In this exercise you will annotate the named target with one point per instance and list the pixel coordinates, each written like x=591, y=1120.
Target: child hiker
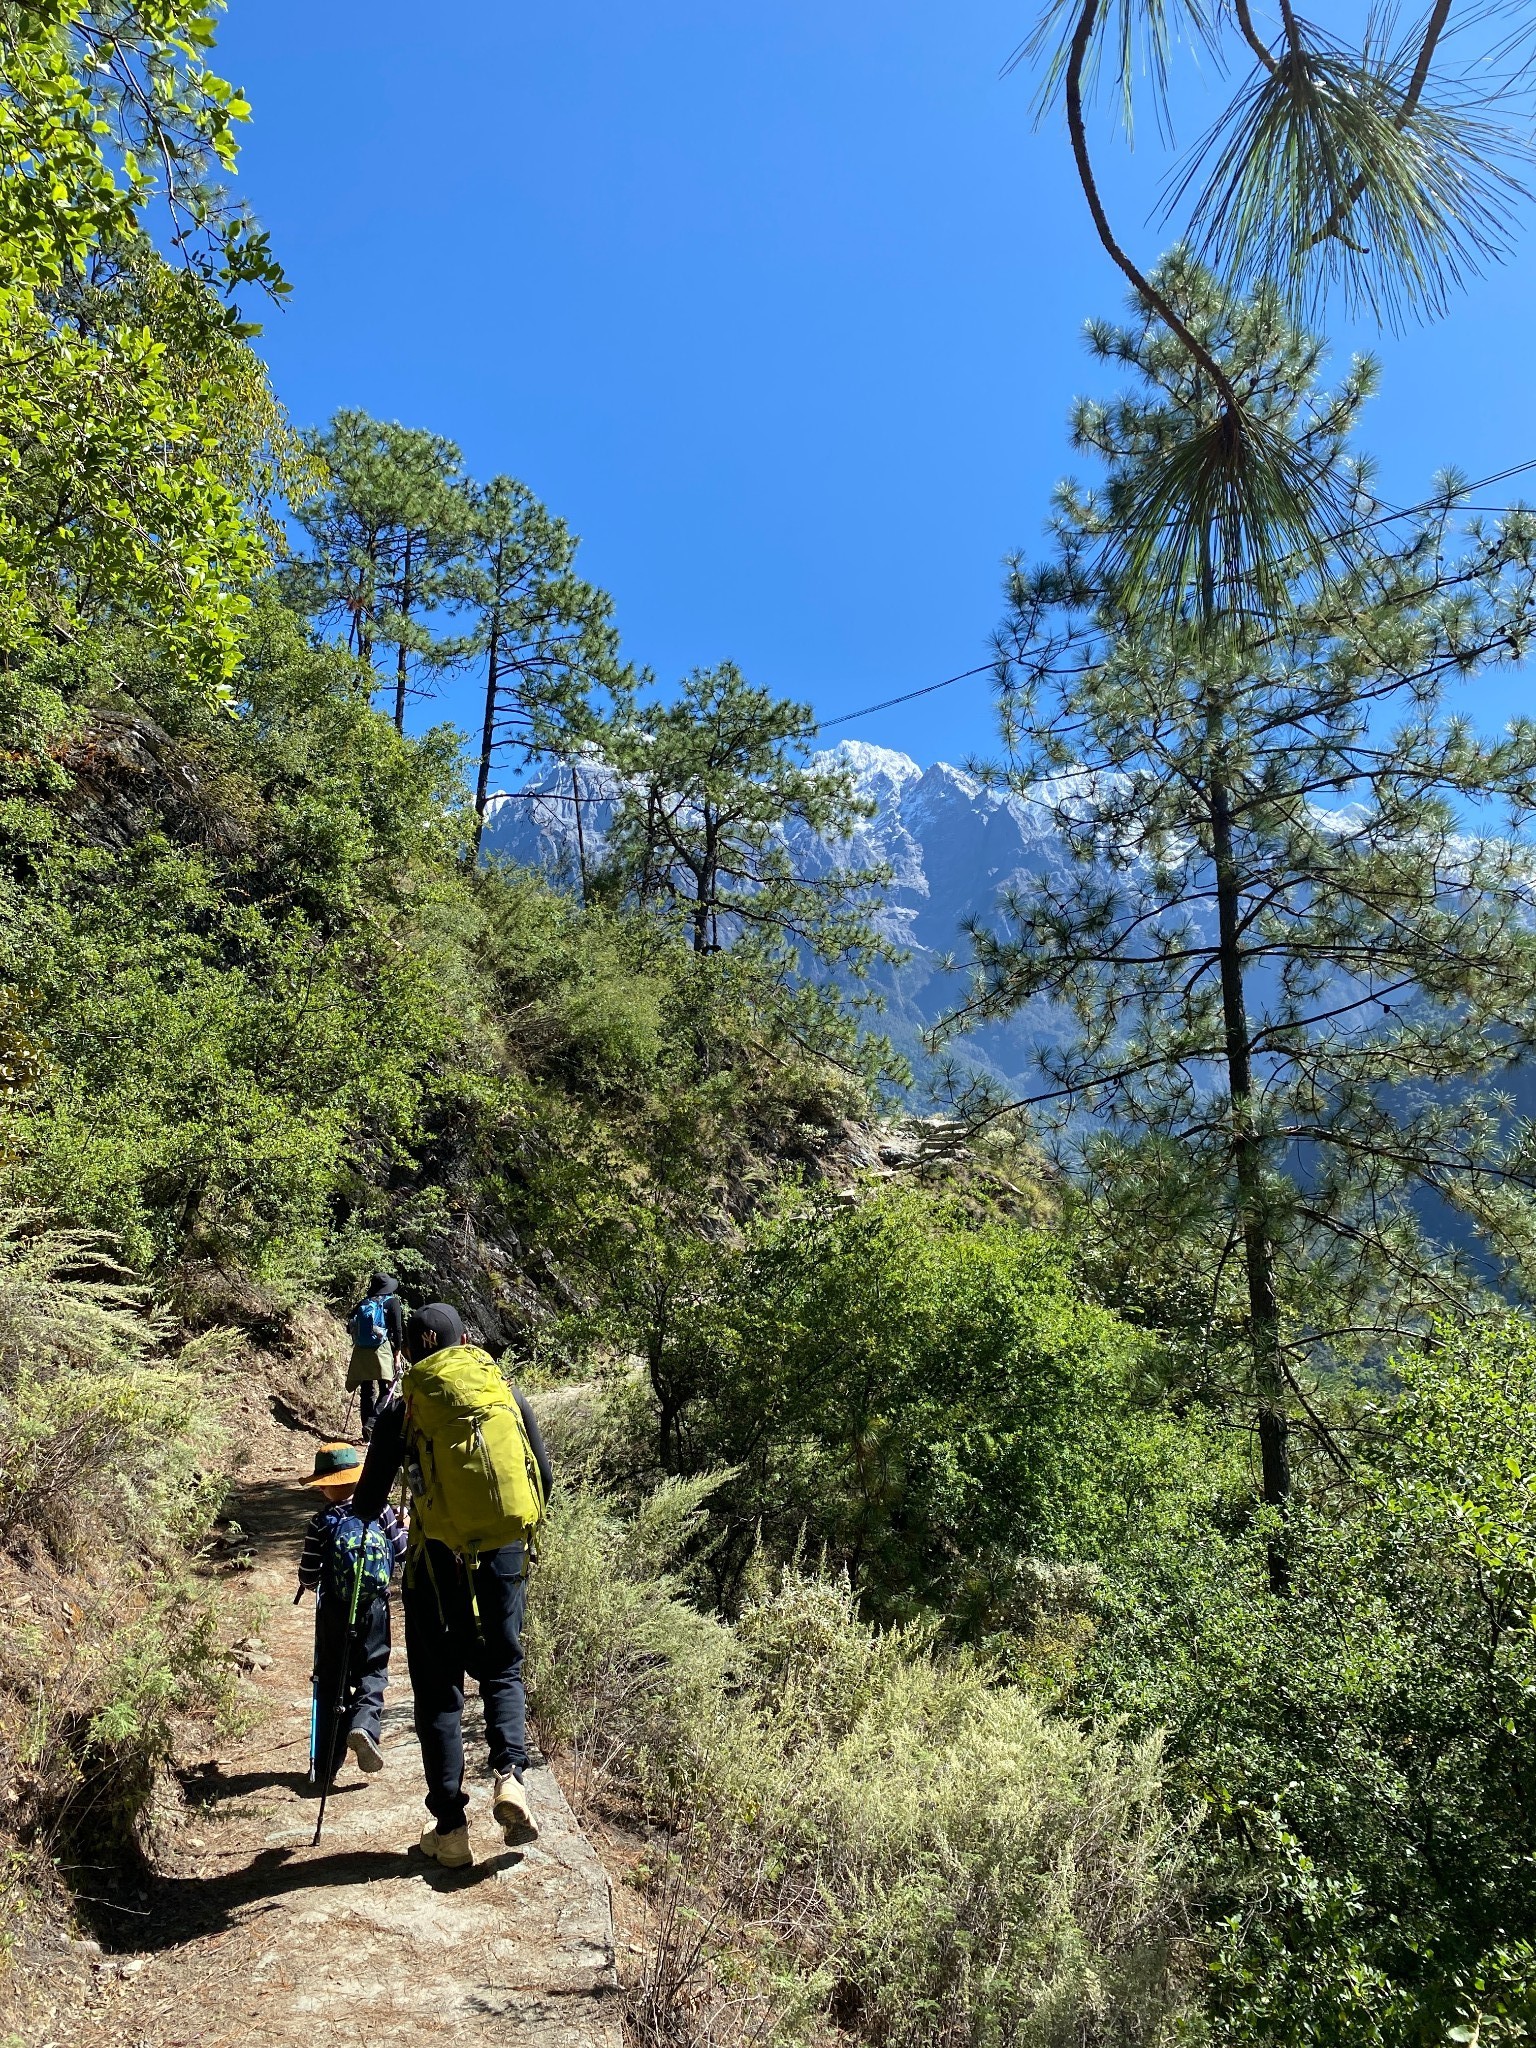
x=347, y=1565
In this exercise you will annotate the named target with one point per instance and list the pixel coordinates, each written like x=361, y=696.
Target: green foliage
x=1290, y=978
x=544, y=635
x=628, y=1679
x=407, y=553
x=930, y=1403
x=130, y=412
x=1360, y=1748
x=234, y=1031
x=388, y=526
x=1382, y=165
x=711, y=783
x=107, y=112
x=109, y=1451
x=80, y=1395
x=113, y=503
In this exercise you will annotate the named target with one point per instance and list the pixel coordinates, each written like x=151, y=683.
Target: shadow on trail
x=183, y=1909
x=268, y=1509
x=206, y=1793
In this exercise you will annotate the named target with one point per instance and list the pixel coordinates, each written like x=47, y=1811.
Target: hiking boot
x=370, y=1757
x=510, y=1806
x=451, y=1850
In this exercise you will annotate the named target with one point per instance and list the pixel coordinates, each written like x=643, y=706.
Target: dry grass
x=867, y=1837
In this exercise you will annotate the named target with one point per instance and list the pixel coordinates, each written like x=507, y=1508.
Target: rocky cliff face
x=951, y=844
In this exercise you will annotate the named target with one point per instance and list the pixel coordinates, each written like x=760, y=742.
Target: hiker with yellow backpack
x=479, y=1477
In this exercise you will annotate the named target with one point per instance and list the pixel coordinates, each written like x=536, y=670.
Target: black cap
x=445, y=1323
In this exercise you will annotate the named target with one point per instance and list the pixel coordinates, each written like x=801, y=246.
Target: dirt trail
x=253, y=1937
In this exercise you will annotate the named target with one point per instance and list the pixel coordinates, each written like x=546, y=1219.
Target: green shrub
x=624, y=1676
x=109, y=1458
x=933, y=1403
x=1361, y=1749
x=95, y=1434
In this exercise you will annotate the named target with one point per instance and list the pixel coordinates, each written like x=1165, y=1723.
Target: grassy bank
x=858, y=1832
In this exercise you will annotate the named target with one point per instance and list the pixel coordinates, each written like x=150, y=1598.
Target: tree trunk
x=405, y=613
x=367, y=592
x=1247, y=1154
x=487, y=731
x=707, y=881
x=581, y=838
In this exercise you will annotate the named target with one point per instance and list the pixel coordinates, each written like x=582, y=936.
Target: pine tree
x=544, y=635
x=712, y=785
x=1380, y=164
x=1295, y=949
x=389, y=530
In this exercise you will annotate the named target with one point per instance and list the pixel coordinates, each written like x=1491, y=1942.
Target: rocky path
x=253, y=1937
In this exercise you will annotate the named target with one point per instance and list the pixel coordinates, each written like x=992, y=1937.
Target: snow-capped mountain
x=951, y=844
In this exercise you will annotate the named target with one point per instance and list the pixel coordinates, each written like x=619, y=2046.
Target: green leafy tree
x=118, y=496
x=237, y=1017
x=1292, y=964
x=389, y=530
x=111, y=115
x=544, y=635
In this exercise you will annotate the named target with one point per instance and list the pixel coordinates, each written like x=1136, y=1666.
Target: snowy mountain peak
x=879, y=772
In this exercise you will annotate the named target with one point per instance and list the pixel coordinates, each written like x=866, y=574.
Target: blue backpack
x=368, y=1326
x=357, y=1546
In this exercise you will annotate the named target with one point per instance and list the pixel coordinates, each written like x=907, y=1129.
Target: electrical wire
x=847, y=717
x=1453, y=502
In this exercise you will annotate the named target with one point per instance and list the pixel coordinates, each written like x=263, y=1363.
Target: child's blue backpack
x=368, y=1326
x=357, y=1545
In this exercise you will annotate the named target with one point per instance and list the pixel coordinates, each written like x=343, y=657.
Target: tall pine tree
x=1295, y=947
x=544, y=635
x=389, y=532
x=724, y=820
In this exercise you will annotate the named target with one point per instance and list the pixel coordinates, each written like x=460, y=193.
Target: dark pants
x=443, y=1641
x=363, y=1653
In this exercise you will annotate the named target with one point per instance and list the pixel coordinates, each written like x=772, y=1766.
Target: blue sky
x=779, y=305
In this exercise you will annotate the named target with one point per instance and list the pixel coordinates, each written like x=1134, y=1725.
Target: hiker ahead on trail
x=347, y=1564
x=377, y=1329
x=479, y=1477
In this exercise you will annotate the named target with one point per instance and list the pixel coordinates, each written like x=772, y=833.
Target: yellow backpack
x=479, y=1480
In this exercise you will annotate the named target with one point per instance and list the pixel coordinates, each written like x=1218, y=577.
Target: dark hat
x=336, y=1465
x=382, y=1284
x=445, y=1323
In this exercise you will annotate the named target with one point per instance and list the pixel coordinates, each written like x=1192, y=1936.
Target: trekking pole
x=314, y=1697
x=341, y=1698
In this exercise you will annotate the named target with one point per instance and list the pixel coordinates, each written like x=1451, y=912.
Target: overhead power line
x=847, y=717
x=1483, y=483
